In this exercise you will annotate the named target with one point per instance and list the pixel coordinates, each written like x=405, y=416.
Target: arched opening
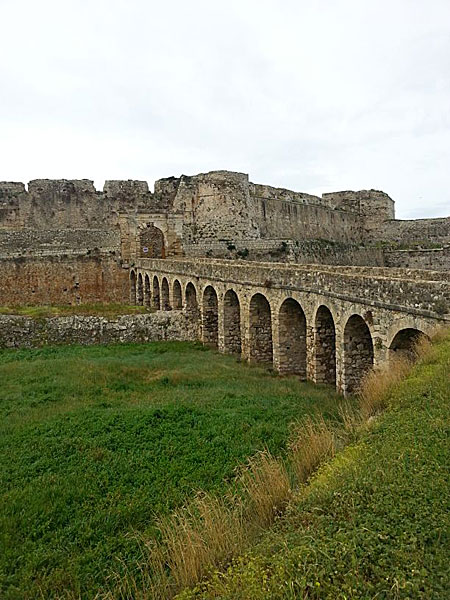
x=165, y=302
x=192, y=305
x=232, y=323
x=132, y=287
x=156, y=299
x=210, y=317
x=177, y=301
x=151, y=242
x=325, y=347
x=405, y=344
x=292, y=338
x=140, y=290
x=358, y=352
x=147, y=293
x=261, y=346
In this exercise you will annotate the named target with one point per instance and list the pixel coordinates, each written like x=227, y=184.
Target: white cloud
x=315, y=96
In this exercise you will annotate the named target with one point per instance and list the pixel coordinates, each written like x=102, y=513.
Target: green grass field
x=374, y=522
x=94, y=309
x=95, y=442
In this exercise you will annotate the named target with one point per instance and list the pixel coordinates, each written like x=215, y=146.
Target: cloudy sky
x=312, y=95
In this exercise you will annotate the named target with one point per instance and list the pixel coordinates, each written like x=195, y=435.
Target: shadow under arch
x=324, y=346
x=292, y=339
x=358, y=352
x=261, y=343
x=210, y=321
x=232, y=323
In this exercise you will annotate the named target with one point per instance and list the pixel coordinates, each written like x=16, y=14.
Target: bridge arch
x=147, y=291
x=140, y=290
x=261, y=343
x=358, y=352
x=177, y=301
x=232, y=323
x=210, y=314
x=404, y=343
x=165, y=301
x=156, y=297
x=324, y=346
x=292, y=338
x=133, y=287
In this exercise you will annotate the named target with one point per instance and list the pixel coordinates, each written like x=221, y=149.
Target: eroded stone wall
x=25, y=332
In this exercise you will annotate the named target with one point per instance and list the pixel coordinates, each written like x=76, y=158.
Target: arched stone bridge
x=326, y=323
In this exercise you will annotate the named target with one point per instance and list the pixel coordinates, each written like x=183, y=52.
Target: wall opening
x=232, y=323
x=292, y=339
x=151, y=242
x=324, y=347
x=404, y=344
x=358, y=352
x=192, y=306
x=177, y=300
x=261, y=345
x=165, y=301
x=132, y=287
x=147, y=292
x=140, y=290
x=210, y=317
x=156, y=299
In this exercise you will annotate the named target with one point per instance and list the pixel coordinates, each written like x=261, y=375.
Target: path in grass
x=96, y=441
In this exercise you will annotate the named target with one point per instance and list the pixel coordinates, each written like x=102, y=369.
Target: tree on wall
x=151, y=242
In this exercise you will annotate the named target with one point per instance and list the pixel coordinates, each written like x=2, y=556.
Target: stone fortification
x=25, y=332
x=65, y=241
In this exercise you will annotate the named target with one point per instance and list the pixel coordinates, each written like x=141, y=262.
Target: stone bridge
x=324, y=323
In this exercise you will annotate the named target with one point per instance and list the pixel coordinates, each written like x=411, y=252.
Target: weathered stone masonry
x=326, y=324
x=87, y=239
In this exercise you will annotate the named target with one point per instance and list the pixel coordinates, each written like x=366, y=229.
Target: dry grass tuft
x=206, y=532
x=311, y=443
x=267, y=489
x=376, y=385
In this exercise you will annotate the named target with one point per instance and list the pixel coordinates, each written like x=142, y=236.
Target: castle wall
x=418, y=232
x=62, y=279
x=437, y=259
x=280, y=218
x=321, y=252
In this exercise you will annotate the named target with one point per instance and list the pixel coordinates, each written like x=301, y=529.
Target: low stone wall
x=26, y=332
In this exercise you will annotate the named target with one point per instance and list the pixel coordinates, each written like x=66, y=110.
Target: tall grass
x=208, y=531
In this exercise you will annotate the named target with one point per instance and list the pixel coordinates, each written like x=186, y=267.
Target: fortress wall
x=278, y=218
x=436, y=258
x=421, y=232
x=41, y=243
x=69, y=204
x=62, y=279
x=280, y=250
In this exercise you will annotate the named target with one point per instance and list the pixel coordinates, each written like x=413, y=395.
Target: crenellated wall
x=58, y=232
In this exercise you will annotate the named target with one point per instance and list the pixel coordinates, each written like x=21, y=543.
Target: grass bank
x=97, y=442
x=374, y=521
x=65, y=310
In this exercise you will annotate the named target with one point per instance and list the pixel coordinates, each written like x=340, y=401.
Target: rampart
x=62, y=241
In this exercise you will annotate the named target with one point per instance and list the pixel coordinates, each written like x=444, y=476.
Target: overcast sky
x=312, y=95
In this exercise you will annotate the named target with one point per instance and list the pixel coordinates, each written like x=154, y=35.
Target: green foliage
x=374, y=522
x=95, y=442
x=94, y=309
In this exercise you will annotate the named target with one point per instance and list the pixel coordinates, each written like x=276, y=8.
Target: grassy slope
x=374, y=522
x=64, y=310
x=95, y=441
